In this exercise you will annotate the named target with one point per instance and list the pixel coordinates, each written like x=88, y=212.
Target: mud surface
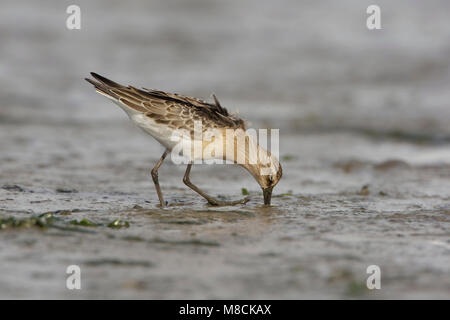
x=365, y=149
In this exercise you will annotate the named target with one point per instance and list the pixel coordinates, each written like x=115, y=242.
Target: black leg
x=155, y=178
x=210, y=199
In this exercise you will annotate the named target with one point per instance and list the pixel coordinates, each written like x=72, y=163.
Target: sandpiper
x=163, y=114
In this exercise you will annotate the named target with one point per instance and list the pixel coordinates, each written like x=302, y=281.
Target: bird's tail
x=104, y=85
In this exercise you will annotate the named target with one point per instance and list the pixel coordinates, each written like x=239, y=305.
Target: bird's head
x=268, y=179
x=259, y=162
x=267, y=172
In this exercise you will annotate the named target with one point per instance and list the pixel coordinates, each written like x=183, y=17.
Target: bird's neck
x=250, y=155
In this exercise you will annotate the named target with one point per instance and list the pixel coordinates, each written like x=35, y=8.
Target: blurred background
x=354, y=107
x=312, y=63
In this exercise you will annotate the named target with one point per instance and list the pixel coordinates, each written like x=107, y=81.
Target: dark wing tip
x=106, y=81
x=101, y=87
x=96, y=84
x=96, y=75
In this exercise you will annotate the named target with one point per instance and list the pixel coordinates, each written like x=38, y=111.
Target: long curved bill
x=267, y=196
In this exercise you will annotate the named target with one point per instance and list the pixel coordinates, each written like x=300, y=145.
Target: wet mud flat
x=333, y=215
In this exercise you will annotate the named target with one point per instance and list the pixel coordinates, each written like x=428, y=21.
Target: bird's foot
x=220, y=203
x=163, y=204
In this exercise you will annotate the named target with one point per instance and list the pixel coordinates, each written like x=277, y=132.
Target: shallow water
x=364, y=137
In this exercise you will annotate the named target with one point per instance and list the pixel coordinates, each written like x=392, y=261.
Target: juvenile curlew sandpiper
x=163, y=114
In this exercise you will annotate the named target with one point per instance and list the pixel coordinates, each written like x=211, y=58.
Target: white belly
x=162, y=133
